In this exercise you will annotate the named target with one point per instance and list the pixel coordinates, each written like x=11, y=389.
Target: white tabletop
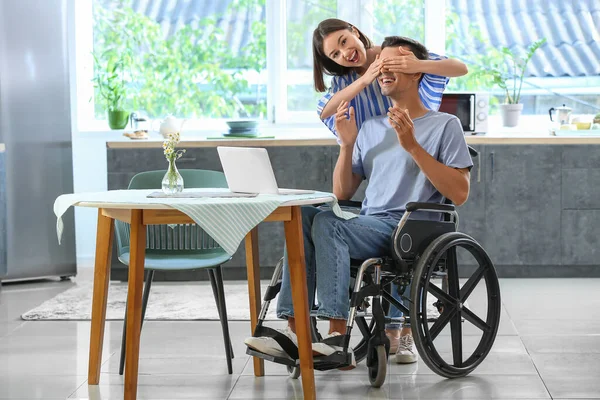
x=137, y=199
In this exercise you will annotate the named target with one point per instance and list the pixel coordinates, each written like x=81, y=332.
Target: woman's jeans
x=329, y=244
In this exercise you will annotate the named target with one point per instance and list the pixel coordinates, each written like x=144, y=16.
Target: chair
x=179, y=247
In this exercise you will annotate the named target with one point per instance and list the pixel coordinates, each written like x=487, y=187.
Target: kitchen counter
x=327, y=140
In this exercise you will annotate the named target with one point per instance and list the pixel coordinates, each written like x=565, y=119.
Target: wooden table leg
x=253, y=270
x=104, y=240
x=137, y=249
x=295, y=249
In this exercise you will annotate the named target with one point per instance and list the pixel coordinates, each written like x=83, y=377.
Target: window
x=563, y=71
x=303, y=16
x=212, y=59
x=398, y=18
x=207, y=59
x=195, y=59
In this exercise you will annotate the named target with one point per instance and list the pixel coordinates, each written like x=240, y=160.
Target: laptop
x=249, y=170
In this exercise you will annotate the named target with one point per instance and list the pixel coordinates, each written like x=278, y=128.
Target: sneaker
x=269, y=346
x=394, y=340
x=324, y=349
x=406, y=353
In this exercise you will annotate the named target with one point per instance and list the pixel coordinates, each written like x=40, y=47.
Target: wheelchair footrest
x=279, y=360
x=339, y=359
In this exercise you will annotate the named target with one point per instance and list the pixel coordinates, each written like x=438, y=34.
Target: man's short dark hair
x=418, y=49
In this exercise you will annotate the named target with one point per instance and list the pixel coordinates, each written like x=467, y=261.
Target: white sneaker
x=406, y=353
x=269, y=346
x=324, y=349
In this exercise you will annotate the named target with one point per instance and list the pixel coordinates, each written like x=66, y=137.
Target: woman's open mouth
x=353, y=57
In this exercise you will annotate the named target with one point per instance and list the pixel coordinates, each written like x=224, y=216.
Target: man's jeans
x=329, y=244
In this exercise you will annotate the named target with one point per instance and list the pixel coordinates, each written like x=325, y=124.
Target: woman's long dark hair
x=323, y=64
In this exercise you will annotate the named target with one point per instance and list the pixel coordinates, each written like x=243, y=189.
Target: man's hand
x=372, y=72
x=406, y=63
x=346, y=128
x=405, y=130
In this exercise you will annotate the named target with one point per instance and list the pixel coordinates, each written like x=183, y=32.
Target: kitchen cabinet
x=580, y=218
x=523, y=205
x=472, y=213
x=579, y=238
x=535, y=208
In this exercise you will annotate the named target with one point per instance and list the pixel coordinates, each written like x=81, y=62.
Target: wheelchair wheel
x=378, y=367
x=294, y=372
x=455, y=354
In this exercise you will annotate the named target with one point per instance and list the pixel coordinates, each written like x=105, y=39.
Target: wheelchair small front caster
x=378, y=369
x=294, y=372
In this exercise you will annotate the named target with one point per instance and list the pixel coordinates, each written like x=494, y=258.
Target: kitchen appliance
x=35, y=126
x=169, y=125
x=471, y=108
x=562, y=113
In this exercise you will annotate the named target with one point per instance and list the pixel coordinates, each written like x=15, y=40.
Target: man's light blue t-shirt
x=394, y=177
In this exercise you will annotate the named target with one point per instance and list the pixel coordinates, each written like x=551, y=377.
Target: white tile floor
x=544, y=350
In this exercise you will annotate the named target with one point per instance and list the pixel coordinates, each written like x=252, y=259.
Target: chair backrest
x=192, y=178
x=163, y=238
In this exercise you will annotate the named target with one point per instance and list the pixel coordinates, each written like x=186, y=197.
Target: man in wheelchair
x=411, y=155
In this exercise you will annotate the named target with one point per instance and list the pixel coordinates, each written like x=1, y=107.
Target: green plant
x=191, y=71
x=109, y=80
x=515, y=72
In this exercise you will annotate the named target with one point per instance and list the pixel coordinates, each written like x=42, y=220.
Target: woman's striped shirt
x=370, y=102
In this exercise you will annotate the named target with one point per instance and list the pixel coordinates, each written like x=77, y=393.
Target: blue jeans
x=329, y=244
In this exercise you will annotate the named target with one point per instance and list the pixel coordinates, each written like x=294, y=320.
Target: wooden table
x=140, y=215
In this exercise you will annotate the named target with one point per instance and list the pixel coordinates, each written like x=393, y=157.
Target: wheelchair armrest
x=350, y=203
x=414, y=206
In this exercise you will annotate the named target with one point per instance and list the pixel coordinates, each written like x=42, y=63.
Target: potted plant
x=510, y=111
x=110, y=82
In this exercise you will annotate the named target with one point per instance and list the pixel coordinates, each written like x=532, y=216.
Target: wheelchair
x=423, y=255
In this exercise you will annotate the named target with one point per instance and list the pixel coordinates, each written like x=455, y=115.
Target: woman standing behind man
x=343, y=51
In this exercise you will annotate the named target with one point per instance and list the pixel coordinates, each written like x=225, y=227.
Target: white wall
x=89, y=148
x=89, y=175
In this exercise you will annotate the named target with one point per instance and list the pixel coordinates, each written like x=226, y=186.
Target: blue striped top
x=371, y=103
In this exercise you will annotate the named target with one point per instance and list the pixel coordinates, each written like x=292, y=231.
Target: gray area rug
x=167, y=301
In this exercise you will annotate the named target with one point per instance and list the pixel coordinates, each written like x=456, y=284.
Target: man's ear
x=417, y=76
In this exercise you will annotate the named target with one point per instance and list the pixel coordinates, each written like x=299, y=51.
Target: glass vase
x=172, y=181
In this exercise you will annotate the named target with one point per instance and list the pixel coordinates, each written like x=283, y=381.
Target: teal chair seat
x=183, y=259
x=178, y=247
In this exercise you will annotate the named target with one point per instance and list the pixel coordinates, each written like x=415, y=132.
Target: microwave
x=472, y=110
